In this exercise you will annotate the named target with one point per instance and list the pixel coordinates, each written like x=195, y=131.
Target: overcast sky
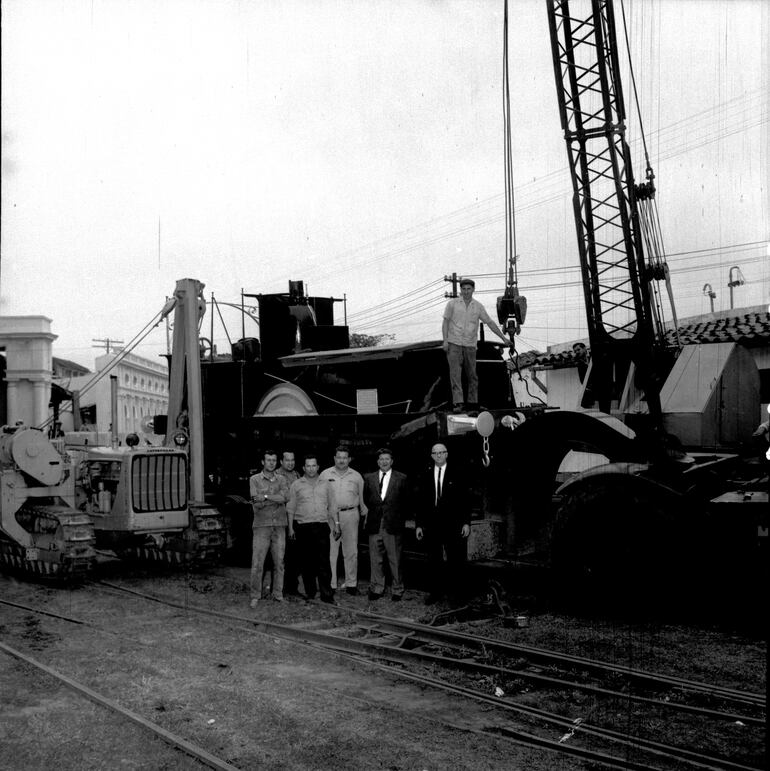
x=357, y=146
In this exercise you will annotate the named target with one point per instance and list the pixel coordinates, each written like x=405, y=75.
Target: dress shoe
x=395, y=598
x=458, y=409
x=277, y=598
x=328, y=598
x=373, y=595
x=352, y=590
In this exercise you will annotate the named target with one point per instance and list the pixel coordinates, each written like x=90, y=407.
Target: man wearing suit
x=386, y=495
x=444, y=520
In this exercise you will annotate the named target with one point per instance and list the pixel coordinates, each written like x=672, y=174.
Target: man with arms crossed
x=269, y=493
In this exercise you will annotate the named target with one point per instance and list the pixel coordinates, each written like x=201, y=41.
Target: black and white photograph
x=384, y=384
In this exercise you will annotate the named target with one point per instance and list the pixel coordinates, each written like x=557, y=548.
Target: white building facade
x=26, y=342
x=142, y=391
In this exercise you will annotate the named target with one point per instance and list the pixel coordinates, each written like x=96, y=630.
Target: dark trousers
x=313, y=554
x=447, y=575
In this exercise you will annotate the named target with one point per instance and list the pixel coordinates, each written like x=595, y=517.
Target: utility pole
x=106, y=343
x=453, y=279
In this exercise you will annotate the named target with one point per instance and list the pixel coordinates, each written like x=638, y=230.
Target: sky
x=357, y=146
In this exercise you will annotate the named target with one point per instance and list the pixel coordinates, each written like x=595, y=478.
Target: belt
x=348, y=508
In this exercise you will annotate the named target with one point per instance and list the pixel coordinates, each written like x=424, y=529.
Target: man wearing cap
x=460, y=331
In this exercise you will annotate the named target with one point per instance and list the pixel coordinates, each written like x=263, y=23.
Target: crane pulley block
x=511, y=309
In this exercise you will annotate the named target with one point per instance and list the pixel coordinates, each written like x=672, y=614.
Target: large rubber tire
x=619, y=547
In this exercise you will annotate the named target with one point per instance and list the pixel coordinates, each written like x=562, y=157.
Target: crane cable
x=98, y=376
x=649, y=216
x=510, y=215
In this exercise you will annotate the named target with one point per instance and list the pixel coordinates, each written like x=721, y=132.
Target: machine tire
x=617, y=545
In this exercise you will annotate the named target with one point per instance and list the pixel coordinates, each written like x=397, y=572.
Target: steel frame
x=621, y=326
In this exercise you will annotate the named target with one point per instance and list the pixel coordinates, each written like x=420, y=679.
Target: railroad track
x=172, y=739
x=406, y=650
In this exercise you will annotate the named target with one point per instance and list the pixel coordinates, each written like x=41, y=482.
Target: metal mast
x=622, y=325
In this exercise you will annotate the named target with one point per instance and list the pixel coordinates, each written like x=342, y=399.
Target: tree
x=358, y=340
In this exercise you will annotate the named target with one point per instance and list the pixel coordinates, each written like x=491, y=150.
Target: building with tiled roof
x=557, y=374
x=749, y=327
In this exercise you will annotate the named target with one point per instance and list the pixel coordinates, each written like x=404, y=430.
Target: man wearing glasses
x=444, y=521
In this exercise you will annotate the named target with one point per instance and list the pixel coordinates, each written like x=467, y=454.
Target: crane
x=646, y=518
x=618, y=232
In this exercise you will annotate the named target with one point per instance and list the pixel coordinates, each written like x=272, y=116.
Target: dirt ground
x=260, y=702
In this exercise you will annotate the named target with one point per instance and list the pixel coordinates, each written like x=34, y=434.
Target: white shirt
x=436, y=471
x=464, y=321
x=385, y=481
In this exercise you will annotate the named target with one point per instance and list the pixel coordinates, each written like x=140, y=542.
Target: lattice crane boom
x=623, y=323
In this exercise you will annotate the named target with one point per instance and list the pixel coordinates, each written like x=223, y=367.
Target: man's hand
x=418, y=533
x=445, y=346
x=466, y=531
x=337, y=531
x=291, y=533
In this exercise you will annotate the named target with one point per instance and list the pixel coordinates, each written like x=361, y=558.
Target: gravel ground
x=260, y=702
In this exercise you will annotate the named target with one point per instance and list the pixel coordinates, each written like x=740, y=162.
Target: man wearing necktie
x=444, y=521
x=386, y=495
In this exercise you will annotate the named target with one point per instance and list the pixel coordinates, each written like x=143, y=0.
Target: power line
x=403, y=242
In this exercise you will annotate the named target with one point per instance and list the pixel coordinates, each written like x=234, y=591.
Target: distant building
x=142, y=391
x=562, y=369
x=63, y=368
x=26, y=387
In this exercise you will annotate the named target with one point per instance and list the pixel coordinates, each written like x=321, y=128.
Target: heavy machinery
x=676, y=506
x=147, y=503
x=41, y=530
x=655, y=513
x=138, y=500
x=301, y=387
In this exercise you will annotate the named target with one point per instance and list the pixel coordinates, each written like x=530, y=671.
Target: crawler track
x=63, y=541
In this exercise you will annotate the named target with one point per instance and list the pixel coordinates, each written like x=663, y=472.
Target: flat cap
x=468, y=281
